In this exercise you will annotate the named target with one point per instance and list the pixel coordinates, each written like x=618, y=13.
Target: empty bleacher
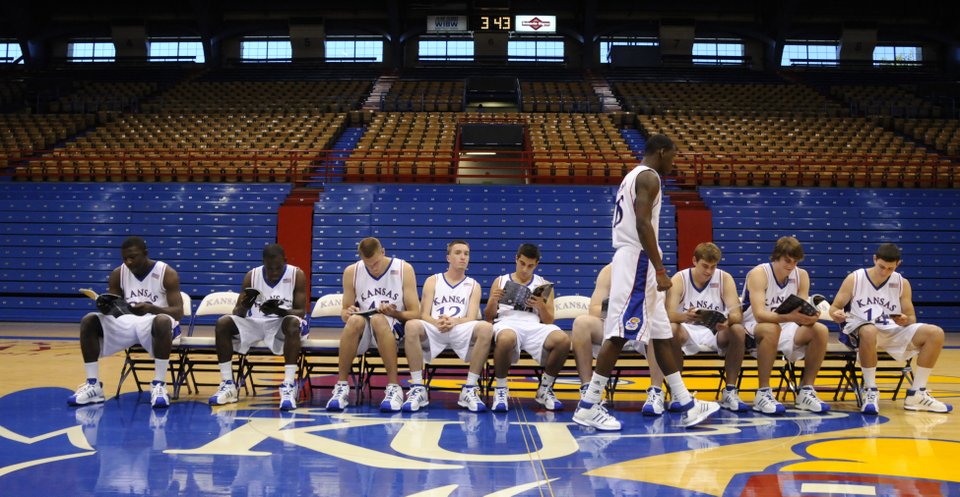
x=58, y=237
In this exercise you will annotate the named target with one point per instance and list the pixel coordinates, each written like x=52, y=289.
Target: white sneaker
x=765, y=402
x=871, y=401
x=921, y=400
x=548, y=399
x=87, y=393
x=654, y=404
x=697, y=413
x=470, y=398
x=288, y=396
x=595, y=416
x=226, y=394
x=807, y=400
x=416, y=398
x=500, y=403
x=158, y=395
x=730, y=400
x=393, y=399
x=339, y=402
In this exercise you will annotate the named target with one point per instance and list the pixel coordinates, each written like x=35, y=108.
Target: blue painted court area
x=123, y=447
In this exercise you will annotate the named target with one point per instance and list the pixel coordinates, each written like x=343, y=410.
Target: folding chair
x=320, y=355
x=218, y=304
x=137, y=359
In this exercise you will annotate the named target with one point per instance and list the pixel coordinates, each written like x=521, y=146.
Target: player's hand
x=837, y=315
x=723, y=325
x=346, y=313
x=663, y=282
x=692, y=316
x=802, y=319
x=388, y=310
x=900, y=319
x=271, y=307
x=444, y=323
x=495, y=295
x=538, y=303
x=142, y=308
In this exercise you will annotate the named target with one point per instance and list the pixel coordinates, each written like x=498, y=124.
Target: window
x=353, y=49
x=715, y=52
x=809, y=53
x=174, y=50
x=896, y=56
x=535, y=51
x=609, y=43
x=91, y=51
x=9, y=52
x=445, y=49
x=266, y=49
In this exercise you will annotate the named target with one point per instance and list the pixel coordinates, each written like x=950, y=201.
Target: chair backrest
x=219, y=303
x=571, y=306
x=187, y=304
x=328, y=306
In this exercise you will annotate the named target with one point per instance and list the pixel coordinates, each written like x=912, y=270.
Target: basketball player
x=449, y=312
x=152, y=288
x=796, y=335
x=637, y=288
x=528, y=326
x=876, y=304
x=702, y=286
x=273, y=315
x=379, y=295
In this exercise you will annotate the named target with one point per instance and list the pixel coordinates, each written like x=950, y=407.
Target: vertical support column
x=694, y=226
x=295, y=233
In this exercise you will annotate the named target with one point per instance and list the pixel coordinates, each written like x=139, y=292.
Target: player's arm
x=474, y=308
x=113, y=283
x=731, y=300
x=601, y=290
x=803, y=291
x=842, y=298
x=239, y=309
x=493, y=301
x=426, y=302
x=349, y=303
x=648, y=187
x=411, y=301
x=545, y=306
x=672, y=301
x=906, y=304
x=299, y=306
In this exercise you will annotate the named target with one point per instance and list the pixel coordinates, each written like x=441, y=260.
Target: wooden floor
x=123, y=447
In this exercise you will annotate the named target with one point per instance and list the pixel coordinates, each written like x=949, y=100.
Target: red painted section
x=694, y=226
x=295, y=233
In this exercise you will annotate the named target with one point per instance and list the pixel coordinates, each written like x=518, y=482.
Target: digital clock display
x=494, y=23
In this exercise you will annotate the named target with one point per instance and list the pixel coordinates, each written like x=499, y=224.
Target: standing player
x=796, y=335
x=379, y=294
x=876, y=303
x=152, y=288
x=528, y=326
x=637, y=289
x=449, y=318
x=274, y=315
x=702, y=286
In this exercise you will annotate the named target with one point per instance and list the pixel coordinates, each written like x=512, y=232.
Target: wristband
x=662, y=271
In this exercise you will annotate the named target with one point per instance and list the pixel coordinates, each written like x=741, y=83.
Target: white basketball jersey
x=509, y=312
x=625, y=218
x=387, y=289
x=708, y=297
x=149, y=289
x=776, y=293
x=282, y=290
x=452, y=300
x=876, y=303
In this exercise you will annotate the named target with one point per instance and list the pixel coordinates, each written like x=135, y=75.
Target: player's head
x=659, y=153
x=371, y=253
x=787, y=252
x=274, y=261
x=528, y=257
x=887, y=259
x=133, y=250
x=458, y=254
x=706, y=256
